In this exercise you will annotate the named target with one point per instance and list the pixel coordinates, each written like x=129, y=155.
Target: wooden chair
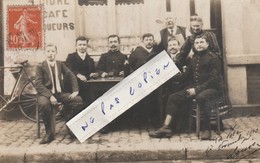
x=219, y=109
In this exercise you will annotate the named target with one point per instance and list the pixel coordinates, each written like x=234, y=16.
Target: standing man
x=112, y=62
x=171, y=30
x=50, y=89
x=206, y=84
x=196, y=25
x=141, y=54
x=83, y=66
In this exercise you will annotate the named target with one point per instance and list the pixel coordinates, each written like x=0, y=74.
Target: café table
x=100, y=85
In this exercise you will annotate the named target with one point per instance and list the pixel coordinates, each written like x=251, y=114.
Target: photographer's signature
x=243, y=142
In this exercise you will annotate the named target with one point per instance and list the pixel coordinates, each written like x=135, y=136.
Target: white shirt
x=82, y=55
x=149, y=50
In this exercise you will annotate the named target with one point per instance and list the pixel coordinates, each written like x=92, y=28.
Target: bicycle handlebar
x=21, y=62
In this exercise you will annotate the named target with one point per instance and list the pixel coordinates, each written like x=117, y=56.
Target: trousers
x=72, y=107
x=179, y=102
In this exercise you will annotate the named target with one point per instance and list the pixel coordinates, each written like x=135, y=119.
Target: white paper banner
x=122, y=96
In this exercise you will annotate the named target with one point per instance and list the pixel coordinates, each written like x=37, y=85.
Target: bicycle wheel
x=28, y=101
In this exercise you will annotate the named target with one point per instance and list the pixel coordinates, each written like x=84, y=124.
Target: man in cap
x=171, y=30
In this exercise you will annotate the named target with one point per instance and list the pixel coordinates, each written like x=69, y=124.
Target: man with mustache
x=204, y=73
x=143, y=111
x=112, y=62
x=171, y=30
x=141, y=54
x=171, y=86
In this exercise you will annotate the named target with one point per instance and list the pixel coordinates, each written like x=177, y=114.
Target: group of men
x=200, y=77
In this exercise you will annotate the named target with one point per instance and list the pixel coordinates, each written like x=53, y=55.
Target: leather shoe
x=47, y=139
x=163, y=132
x=205, y=135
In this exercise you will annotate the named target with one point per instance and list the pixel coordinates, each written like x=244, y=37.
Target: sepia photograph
x=129, y=81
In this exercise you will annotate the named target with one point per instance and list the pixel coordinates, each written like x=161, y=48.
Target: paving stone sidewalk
x=240, y=140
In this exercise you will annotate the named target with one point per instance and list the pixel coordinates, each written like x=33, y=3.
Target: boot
x=206, y=130
x=163, y=132
x=205, y=135
x=49, y=136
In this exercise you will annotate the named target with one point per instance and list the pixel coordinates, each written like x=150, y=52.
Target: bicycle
x=23, y=93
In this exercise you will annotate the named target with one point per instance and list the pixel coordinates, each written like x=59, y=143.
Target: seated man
x=50, y=88
x=112, y=62
x=141, y=54
x=82, y=65
x=171, y=86
x=144, y=110
x=206, y=84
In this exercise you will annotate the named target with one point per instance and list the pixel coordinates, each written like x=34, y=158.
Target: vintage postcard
x=129, y=81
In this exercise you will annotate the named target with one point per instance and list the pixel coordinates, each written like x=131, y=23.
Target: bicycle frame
x=14, y=93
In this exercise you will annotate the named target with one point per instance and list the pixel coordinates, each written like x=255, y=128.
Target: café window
x=92, y=2
x=119, y=2
x=104, y=2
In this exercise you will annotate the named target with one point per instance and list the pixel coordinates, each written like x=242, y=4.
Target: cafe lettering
x=58, y=10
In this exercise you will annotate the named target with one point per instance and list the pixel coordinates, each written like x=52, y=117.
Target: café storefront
x=233, y=21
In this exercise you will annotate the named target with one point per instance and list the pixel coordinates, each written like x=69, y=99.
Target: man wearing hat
x=171, y=30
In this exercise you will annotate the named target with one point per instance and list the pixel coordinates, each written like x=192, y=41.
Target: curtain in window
x=133, y=20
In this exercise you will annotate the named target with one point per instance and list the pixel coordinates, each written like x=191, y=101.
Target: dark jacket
x=111, y=62
x=43, y=81
x=140, y=56
x=165, y=36
x=204, y=72
x=78, y=66
x=188, y=45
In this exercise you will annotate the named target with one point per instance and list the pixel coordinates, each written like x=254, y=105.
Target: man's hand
x=191, y=92
x=104, y=74
x=73, y=95
x=121, y=73
x=93, y=75
x=82, y=77
x=53, y=100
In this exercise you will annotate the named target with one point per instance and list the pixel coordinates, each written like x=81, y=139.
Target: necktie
x=171, y=32
x=54, y=78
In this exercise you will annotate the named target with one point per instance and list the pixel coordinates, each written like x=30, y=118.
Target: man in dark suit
x=50, y=89
x=204, y=72
x=171, y=30
x=82, y=65
x=141, y=54
x=112, y=62
x=144, y=110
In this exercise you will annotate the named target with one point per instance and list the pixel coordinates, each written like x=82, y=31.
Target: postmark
x=25, y=27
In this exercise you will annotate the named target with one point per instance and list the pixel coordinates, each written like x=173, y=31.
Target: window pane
x=92, y=2
x=128, y=1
